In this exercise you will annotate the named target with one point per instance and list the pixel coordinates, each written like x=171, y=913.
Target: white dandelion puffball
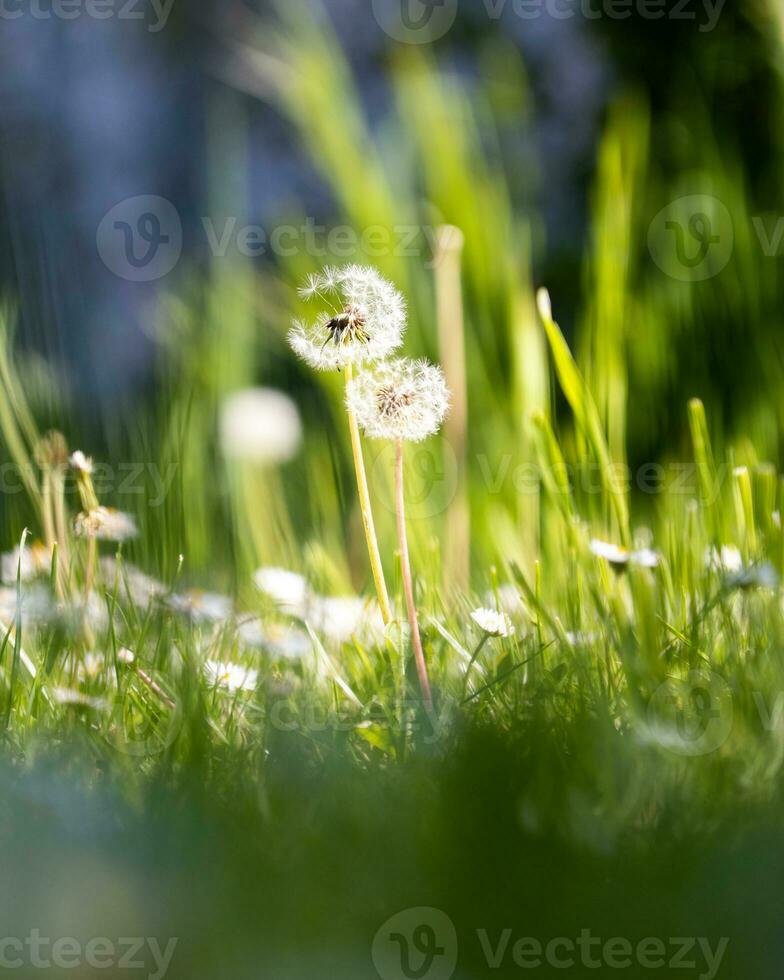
x=364, y=319
x=400, y=399
x=493, y=623
x=261, y=425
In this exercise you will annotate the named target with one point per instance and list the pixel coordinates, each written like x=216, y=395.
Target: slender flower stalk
x=364, y=322
x=367, y=514
x=408, y=585
x=402, y=400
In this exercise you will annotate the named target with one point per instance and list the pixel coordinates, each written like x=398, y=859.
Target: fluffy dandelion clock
x=400, y=399
x=260, y=425
x=364, y=319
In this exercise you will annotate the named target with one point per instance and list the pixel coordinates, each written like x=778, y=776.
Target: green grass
x=616, y=764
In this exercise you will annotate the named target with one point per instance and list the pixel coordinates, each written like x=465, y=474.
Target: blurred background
x=170, y=172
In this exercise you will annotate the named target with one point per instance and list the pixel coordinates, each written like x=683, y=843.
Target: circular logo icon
x=692, y=239
x=692, y=715
x=415, y=21
x=140, y=239
x=144, y=721
x=416, y=944
x=429, y=472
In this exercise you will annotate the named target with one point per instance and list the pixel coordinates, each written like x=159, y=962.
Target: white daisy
x=202, y=607
x=105, y=523
x=619, y=556
x=260, y=425
x=365, y=321
x=285, y=641
x=339, y=618
x=288, y=589
x=35, y=560
x=400, y=399
x=726, y=559
x=235, y=677
x=134, y=585
x=493, y=623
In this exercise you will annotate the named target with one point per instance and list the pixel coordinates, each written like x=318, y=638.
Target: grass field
x=209, y=732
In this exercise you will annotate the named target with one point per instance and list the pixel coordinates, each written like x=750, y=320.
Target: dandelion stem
x=405, y=565
x=367, y=513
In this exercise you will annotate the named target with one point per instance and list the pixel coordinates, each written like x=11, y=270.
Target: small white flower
x=619, y=557
x=288, y=642
x=80, y=462
x=365, y=321
x=91, y=665
x=507, y=597
x=760, y=576
x=339, y=618
x=134, y=585
x=105, y=523
x=202, y=607
x=235, y=677
x=260, y=425
x=67, y=696
x=35, y=560
x=725, y=559
x=493, y=623
x=288, y=589
x=400, y=399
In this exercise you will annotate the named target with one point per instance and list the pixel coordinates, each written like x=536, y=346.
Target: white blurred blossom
x=260, y=425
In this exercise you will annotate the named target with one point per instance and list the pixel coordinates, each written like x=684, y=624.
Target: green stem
x=367, y=513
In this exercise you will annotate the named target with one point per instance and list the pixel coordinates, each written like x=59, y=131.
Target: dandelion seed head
x=399, y=399
x=365, y=320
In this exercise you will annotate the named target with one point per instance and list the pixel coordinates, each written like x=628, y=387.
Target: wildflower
x=760, y=576
x=106, y=524
x=132, y=583
x=507, y=598
x=339, y=618
x=75, y=699
x=288, y=642
x=202, y=607
x=493, y=623
x=81, y=463
x=288, y=589
x=366, y=324
x=620, y=557
x=260, y=425
x=725, y=559
x=31, y=561
x=235, y=677
x=401, y=399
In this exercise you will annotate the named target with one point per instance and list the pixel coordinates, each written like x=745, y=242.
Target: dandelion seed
x=260, y=425
x=235, y=677
x=366, y=324
x=619, y=557
x=493, y=623
x=105, y=524
x=401, y=399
